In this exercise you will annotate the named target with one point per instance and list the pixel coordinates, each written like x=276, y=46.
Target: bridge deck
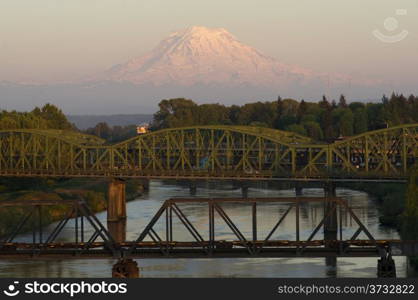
x=220, y=249
x=396, y=178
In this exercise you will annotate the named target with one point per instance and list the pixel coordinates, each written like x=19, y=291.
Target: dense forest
x=112, y=134
x=324, y=120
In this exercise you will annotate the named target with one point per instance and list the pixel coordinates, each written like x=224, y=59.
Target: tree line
x=50, y=116
x=47, y=117
x=112, y=134
x=324, y=120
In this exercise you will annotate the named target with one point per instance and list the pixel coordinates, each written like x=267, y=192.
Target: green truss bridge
x=211, y=152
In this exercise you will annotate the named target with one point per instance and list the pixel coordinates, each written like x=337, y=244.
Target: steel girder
x=385, y=153
x=211, y=152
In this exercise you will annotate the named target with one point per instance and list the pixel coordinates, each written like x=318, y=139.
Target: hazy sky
x=67, y=39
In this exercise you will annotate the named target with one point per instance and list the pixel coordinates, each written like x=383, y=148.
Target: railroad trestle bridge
x=88, y=238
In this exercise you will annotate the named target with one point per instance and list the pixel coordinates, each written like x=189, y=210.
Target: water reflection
x=142, y=210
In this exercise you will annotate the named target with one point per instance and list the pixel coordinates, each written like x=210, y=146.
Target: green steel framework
x=210, y=152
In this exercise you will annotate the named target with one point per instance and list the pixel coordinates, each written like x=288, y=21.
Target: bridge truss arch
x=210, y=152
x=33, y=152
x=207, y=151
x=388, y=153
x=200, y=151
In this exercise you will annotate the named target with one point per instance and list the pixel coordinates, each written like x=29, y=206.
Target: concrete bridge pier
x=331, y=264
x=330, y=210
x=330, y=189
x=298, y=189
x=145, y=184
x=386, y=265
x=116, y=210
x=244, y=190
x=125, y=268
x=192, y=188
x=330, y=224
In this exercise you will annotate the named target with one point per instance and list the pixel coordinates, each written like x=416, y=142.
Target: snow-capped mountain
x=201, y=55
x=199, y=63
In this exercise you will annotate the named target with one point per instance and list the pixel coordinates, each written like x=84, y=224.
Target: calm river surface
x=141, y=210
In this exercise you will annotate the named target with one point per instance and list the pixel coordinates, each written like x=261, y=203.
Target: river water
x=141, y=210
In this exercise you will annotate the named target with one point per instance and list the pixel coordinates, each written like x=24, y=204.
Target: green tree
x=309, y=118
x=233, y=114
x=258, y=112
x=32, y=120
x=410, y=216
x=326, y=118
x=343, y=121
x=356, y=105
x=302, y=109
x=411, y=207
x=176, y=112
x=334, y=120
x=286, y=121
x=102, y=130
x=54, y=116
x=360, y=120
x=342, y=103
x=313, y=130
x=212, y=114
x=296, y=128
x=376, y=116
x=8, y=123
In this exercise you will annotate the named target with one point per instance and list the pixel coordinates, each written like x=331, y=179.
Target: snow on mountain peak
x=201, y=55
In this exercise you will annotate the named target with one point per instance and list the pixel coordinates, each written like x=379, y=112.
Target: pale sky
x=66, y=39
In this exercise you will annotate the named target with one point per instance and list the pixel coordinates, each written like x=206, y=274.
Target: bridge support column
x=330, y=212
x=192, y=188
x=116, y=210
x=331, y=263
x=145, y=184
x=244, y=191
x=330, y=189
x=298, y=189
x=125, y=268
x=386, y=265
x=330, y=224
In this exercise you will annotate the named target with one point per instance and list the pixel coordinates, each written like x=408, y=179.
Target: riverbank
x=391, y=198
